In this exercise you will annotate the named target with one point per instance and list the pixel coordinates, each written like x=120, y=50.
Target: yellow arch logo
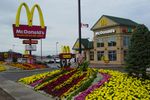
x=30, y=14
x=65, y=53
x=29, y=31
x=65, y=49
x=103, y=22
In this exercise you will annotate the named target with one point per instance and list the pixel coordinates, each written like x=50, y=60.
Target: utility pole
x=30, y=52
x=79, y=17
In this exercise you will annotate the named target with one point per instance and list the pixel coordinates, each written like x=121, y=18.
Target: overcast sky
x=61, y=19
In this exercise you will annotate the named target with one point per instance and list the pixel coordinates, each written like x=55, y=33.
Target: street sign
x=30, y=47
x=30, y=41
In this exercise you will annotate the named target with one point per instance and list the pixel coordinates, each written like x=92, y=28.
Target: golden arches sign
x=29, y=31
x=65, y=49
x=103, y=22
x=65, y=53
x=30, y=14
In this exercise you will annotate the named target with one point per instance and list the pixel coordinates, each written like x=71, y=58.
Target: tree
x=138, y=58
x=49, y=56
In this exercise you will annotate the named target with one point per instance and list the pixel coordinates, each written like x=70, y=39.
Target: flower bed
x=2, y=68
x=32, y=79
x=1, y=62
x=62, y=90
x=82, y=95
x=50, y=79
x=26, y=66
x=121, y=87
x=90, y=85
x=61, y=83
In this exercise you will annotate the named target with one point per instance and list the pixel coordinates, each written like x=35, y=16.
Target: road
x=14, y=74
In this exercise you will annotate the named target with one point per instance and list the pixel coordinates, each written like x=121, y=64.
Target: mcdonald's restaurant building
x=111, y=39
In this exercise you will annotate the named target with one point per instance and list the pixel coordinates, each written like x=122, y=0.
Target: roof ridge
x=117, y=17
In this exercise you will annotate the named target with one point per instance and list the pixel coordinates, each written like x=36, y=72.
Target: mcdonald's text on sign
x=30, y=42
x=27, y=32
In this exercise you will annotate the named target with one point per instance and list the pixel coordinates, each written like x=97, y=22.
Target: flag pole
x=79, y=16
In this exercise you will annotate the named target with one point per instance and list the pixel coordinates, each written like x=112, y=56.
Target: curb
x=20, y=92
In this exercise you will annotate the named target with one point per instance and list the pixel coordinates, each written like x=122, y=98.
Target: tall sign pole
x=79, y=17
x=41, y=51
x=30, y=31
x=30, y=53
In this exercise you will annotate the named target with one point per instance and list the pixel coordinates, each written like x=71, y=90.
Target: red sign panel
x=29, y=32
x=30, y=42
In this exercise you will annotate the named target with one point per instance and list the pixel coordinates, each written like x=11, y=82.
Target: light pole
x=13, y=47
x=12, y=52
x=56, y=48
x=79, y=19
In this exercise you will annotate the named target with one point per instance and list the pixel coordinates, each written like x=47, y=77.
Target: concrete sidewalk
x=16, y=91
x=5, y=96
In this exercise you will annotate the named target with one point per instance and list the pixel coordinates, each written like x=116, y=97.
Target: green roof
x=122, y=21
x=86, y=43
x=90, y=45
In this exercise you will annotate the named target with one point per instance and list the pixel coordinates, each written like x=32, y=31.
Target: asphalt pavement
x=11, y=90
x=17, y=74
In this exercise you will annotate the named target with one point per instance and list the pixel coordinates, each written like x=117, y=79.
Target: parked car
x=51, y=61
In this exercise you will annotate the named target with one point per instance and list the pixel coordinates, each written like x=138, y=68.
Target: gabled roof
x=122, y=21
x=118, y=20
x=85, y=42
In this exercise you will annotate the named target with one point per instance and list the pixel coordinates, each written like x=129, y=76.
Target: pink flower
x=93, y=87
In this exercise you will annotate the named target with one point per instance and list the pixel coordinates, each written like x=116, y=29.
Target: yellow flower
x=2, y=68
x=123, y=87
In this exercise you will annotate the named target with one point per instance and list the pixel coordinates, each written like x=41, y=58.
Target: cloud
x=7, y=6
x=61, y=19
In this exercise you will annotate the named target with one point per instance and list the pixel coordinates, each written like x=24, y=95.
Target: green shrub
x=84, y=65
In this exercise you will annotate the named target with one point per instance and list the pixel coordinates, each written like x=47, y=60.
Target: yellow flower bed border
x=31, y=79
x=121, y=87
x=2, y=68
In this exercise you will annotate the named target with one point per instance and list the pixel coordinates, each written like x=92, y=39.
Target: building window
x=100, y=42
x=112, y=41
x=91, y=55
x=125, y=54
x=126, y=41
x=112, y=55
x=99, y=55
x=124, y=30
x=129, y=30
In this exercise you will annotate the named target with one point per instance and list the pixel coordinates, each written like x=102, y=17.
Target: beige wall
x=119, y=48
x=106, y=24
